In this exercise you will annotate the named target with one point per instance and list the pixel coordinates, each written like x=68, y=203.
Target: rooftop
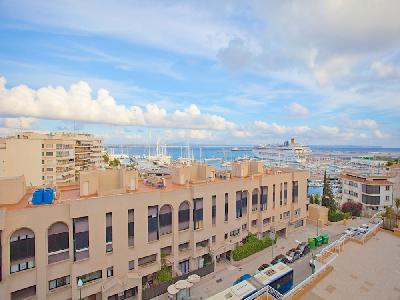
x=369, y=179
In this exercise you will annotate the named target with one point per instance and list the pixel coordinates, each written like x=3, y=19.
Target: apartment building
x=375, y=192
x=55, y=158
x=394, y=176
x=113, y=230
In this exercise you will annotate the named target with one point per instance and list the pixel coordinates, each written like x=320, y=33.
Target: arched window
x=184, y=215
x=165, y=219
x=58, y=242
x=22, y=250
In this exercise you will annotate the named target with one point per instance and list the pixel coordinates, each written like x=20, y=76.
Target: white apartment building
x=375, y=192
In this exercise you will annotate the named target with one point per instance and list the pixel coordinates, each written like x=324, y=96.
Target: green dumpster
x=325, y=238
x=311, y=243
x=318, y=241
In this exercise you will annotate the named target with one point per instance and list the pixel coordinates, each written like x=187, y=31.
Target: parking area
x=226, y=273
x=368, y=271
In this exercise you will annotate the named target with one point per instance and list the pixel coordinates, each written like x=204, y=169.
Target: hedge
x=250, y=246
x=337, y=215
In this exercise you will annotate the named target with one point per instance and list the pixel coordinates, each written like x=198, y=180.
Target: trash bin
x=318, y=241
x=325, y=238
x=311, y=243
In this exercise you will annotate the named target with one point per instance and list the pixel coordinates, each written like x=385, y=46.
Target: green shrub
x=337, y=215
x=251, y=245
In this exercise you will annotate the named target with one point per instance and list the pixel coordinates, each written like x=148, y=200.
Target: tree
x=352, y=207
x=328, y=200
x=106, y=158
x=114, y=163
x=165, y=273
x=315, y=199
x=397, y=204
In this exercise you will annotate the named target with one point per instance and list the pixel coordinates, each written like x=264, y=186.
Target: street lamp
x=80, y=284
x=272, y=237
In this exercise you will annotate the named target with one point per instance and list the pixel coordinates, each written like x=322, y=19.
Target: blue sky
x=218, y=72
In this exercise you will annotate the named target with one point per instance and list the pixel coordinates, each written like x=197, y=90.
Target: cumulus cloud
x=297, y=110
x=275, y=128
x=18, y=123
x=77, y=103
x=185, y=134
x=363, y=123
x=385, y=70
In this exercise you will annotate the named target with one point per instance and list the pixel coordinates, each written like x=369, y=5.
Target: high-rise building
x=49, y=159
x=115, y=230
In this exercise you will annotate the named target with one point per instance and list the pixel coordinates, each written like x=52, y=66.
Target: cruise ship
x=290, y=152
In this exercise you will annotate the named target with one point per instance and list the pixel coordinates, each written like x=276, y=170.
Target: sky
x=204, y=72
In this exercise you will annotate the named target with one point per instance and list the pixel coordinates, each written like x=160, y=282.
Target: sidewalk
x=226, y=273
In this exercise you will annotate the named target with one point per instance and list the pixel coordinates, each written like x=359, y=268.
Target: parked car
x=350, y=231
x=303, y=248
x=292, y=255
x=263, y=267
x=365, y=226
x=280, y=258
x=362, y=230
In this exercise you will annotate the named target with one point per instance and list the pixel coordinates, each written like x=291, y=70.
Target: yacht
x=290, y=152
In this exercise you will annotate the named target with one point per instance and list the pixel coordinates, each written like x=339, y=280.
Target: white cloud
x=185, y=134
x=18, y=123
x=363, y=123
x=77, y=103
x=297, y=110
x=385, y=70
x=280, y=129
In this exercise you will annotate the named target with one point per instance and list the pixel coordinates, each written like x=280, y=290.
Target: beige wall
x=12, y=189
x=317, y=212
x=23, y=157
x=39, y=219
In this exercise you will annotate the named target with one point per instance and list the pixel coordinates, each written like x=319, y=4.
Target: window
x=372, y=200
x=22, y=250
x=280, y=194
x=184, y=266
x=254, y=200
x=273, y=196
x=110, y=272
x=152, y=225
x=183, y=216
x=198, y=213
x=266, y=221
x=226, y=207
x=387, y=187
x=254, y=223
x=131, y=227
x=49, y=169
x=285, y=194
x=387, y=198
x=244, y=226
x=24, y=293
x=131, y=265
x=264, y=198
x=166, y=251
x=202, y=244
x=109, y=247
x=298, y=223
x=280, y=216
x=297, y=212
x=273, y=219
x=213, y=239
x=57, y=242
x=214, y=210
x=238, y=204
x=286, y=214
x=90, y=277
x=49, y=153
x=165, y=219
x=226, y=236
x=127, y=294
x=295, y=191
x=370, y=189
x=235, y=232
x=183, y=246
x=59, y=282
x=244, y=202
x=81, y=238
x=147, y=259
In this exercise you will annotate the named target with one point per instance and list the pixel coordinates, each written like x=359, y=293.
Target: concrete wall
x=12, y=189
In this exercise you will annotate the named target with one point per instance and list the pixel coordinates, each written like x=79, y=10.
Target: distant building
x=112, y=229
x=375, y=192
x=394, y=173
x=49, y=159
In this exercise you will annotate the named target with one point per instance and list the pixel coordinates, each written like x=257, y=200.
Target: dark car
x=280, y=258
x=263, y=267
x=303, y=248
x=292, y=255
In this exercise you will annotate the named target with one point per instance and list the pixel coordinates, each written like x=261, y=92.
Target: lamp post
x=80, y=284
x=272, y=237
